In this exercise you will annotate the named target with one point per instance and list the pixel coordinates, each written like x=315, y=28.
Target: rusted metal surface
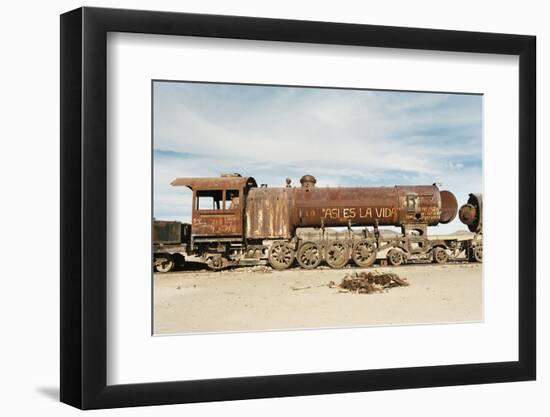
x=471, y=213
x=217, y=222
x=308, y=181
x=234, y=220
x=366, y=206
x=449, y=206
x=234, y=181
x=224, y=200
x=167, y=232
x=468, y=214
x=268, y=213
x=277, y=212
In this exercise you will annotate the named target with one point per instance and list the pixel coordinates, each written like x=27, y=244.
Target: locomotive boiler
x=310, y=206
x=235, y=222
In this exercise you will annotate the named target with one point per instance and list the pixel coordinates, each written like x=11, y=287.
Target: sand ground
x=245, y=299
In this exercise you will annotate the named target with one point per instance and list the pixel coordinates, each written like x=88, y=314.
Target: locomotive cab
x=218, y=206
x=217, y=212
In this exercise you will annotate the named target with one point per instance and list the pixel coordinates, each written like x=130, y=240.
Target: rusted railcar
x=170, y=244
x=235, y=222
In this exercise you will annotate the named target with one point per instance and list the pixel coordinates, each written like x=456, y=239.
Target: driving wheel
x=364, y=253
x=280, y=255
x=309, y=255
x=337, y=254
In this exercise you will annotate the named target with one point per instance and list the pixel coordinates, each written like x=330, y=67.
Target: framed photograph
x=259, y=208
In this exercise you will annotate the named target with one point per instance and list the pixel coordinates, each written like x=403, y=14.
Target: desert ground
x=248, y=299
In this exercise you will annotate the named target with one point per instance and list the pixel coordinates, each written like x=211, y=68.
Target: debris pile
x=369, y=282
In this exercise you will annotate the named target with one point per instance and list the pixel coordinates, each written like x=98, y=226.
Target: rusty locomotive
x=235, y=222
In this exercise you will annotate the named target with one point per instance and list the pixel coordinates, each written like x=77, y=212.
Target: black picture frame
x=84, y=207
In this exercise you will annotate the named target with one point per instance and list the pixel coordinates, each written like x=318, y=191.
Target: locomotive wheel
x=309, y=255
x=395, y=257
x=164, y=265
x=478, y=253
x=280, y=255
x=364, y=253
x=337, y=254
x=440, y=255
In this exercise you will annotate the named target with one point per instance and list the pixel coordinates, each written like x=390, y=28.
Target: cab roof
x=215, y=183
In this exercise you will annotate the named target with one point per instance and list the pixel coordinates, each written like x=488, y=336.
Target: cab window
x=208, y=200
x=232, y=200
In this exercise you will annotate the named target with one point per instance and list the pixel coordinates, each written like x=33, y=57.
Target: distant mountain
x=462, y=232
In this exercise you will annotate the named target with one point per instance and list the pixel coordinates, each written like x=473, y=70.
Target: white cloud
x=341, y=136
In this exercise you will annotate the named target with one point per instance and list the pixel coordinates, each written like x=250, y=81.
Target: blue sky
x=342, y=137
